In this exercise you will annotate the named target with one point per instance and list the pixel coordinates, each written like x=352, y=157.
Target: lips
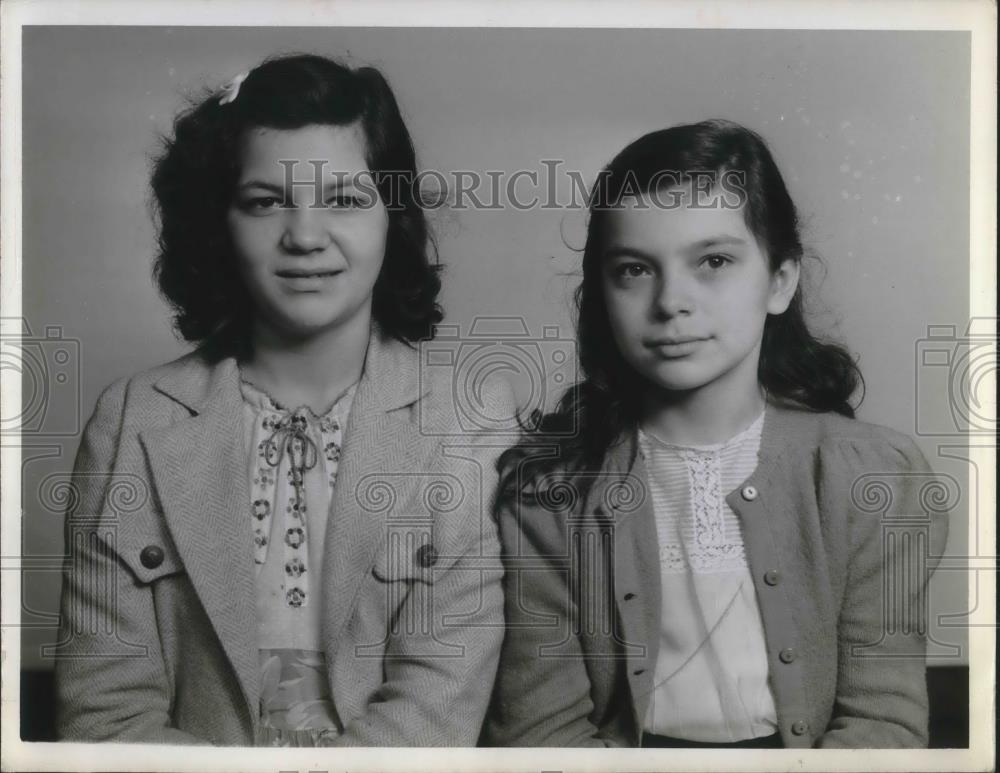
x=308, y=280
x=677, y=340
x=676, y=347
x=300, y=273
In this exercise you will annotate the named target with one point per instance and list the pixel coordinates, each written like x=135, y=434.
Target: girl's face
x=687, y=291
x=309, y=243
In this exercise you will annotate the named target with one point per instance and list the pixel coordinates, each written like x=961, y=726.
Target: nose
x=304, y=231
x=673, y=296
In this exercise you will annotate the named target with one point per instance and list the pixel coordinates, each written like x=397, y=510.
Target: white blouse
x=710, y=682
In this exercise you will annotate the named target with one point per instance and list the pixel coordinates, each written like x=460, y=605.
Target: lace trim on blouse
x=703, y=533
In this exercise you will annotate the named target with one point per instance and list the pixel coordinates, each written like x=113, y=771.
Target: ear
x=784, y=282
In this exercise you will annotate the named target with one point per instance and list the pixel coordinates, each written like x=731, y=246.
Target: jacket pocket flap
x=410, y=554
x=149, y=556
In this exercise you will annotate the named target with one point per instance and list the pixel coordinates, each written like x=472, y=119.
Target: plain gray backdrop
x=871, y=130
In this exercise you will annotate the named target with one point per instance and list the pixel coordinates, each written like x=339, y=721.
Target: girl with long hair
x=699, y=540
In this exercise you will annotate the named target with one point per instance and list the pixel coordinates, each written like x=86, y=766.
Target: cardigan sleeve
x=538, y=700
x=104, y=690
x=896, y=534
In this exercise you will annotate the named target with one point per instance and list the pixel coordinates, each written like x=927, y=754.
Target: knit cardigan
x=841, y=535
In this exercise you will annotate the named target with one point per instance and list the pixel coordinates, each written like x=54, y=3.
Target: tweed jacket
x=841, y=536
x=158, y=640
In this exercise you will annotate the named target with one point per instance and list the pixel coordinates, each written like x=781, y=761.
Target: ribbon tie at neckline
x=282, y=440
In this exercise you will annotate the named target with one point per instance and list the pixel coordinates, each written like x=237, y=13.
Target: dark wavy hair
x=194, y=180
x=794, y=366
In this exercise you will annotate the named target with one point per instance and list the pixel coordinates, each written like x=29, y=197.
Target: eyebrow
x=624, y=251
x=302, y=184
x=716, y=241
x=262, y=185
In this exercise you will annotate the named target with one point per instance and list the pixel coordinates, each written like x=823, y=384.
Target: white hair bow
x=232, y=89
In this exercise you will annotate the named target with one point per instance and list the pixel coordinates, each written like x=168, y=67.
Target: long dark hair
x=195, y=175
x=794, y=366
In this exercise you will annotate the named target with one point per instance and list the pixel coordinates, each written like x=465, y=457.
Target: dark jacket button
x=639, y=671
x=151, y=556
x=629, y=596
x=772, y=577
x=800, y=728
x=427, y=556
x=787, y=655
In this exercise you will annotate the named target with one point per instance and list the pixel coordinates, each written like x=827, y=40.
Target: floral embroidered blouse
x=293, y=460
x=711, y=678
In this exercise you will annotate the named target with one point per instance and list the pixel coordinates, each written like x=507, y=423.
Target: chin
x=313, y=317
x=677, y=378
x=299, y=329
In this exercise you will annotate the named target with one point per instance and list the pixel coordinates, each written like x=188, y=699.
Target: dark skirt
x=649, y=740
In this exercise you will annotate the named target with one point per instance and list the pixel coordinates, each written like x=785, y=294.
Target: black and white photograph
x=493, y=386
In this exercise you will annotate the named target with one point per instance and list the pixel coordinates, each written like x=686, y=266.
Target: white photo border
x=978, y=18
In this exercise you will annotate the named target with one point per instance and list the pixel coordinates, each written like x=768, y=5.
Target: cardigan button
x=772, y=577
x=801, y=727
x=426, y=556
x=787, y=655
x=749, y=493
x=151, y=556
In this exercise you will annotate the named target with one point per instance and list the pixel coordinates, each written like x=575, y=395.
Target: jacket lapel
x=199, y=467
x=383, y=447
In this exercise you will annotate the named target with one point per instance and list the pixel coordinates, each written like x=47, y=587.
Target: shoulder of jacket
x=145, y=379
x=137, y=395
x=809, y=450
x=829, y=429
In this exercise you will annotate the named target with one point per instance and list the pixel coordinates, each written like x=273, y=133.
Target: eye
x=260, y=203
x=715, y=262
x=631, y=270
